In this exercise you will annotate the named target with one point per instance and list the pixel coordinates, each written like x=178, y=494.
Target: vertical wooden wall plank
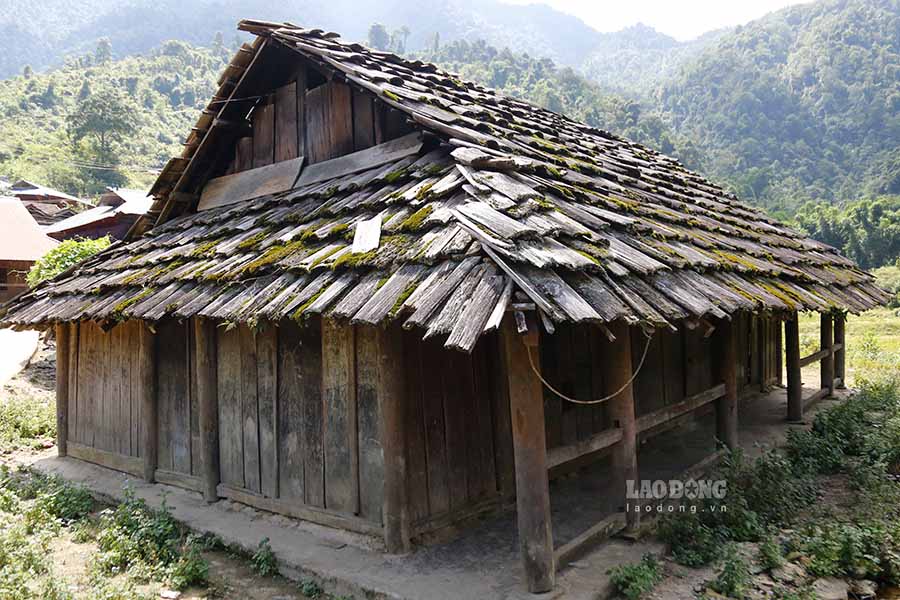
x=479, y=479
x=329, y=122
x=363, y=121
x=565, y=383
x=208, y=405
x=391, y=411
x=371, y=458
x=243, y=154
x=147, y=376
x=300, y=87
x=455, y=409
x=581, y=351
x=286, y=122
x=267, y=355
x=74, y=344
x=62, y=387
x=727, y=406
x=551, y=370
x=673, y=366
x=249, y=406
x=648, y=385
x=340, y=425
x=263, y=135
x=503, y=448
x=435, y=431
x=484, y=421
x=313, y=418
x=292, y=356
x=414, y=425
x=598, y=343
x=231, y=438
x=196, y=445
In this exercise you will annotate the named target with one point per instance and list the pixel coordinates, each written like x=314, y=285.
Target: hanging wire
x=599, y=400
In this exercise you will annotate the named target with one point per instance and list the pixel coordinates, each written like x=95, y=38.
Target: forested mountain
x=97, y=122
x=802, y=104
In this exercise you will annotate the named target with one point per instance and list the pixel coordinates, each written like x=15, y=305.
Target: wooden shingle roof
x=505, y=202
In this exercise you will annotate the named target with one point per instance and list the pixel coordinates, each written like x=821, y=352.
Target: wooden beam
x=792, y=358
x=598, y=533
x=207, y=406
x=564, y=454
x=617, y=371
x=111, y=460
x=146, y=388
x=826, y=365
x=727, y=404
x=526, y=405
x=673, y=411
x=392, y=400
x=63, y=343
x=840, y=351
x=816, y=356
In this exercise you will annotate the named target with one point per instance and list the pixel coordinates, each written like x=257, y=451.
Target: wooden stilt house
x=350, y=287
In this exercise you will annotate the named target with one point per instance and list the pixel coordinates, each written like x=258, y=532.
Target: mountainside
x=802, y=104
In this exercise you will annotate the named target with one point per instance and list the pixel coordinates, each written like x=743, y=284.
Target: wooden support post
x=617, y=371
x=149, y=407
x=207, y=405
x=779, y=352
x=63, y=344
x=727, y=405
x=840, y=356
x=392, y=400
x=826, y=365
x=792, y=358
x=526, y=405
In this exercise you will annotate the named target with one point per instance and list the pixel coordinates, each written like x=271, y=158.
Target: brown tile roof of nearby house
x=21, y=239
x=130, y=202
x=503, y=196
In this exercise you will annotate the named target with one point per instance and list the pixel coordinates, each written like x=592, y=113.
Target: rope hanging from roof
x=598, y=400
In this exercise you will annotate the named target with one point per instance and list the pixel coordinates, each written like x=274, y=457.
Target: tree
x=103, y=118
x=27, y=72
x=378, y=37
x=103, y=53
x=85, y=91
x=398, y=39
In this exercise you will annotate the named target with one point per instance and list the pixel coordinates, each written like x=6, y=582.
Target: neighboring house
x=21, y=243
x=115, y=213
x=340, y=303
x=46, y=205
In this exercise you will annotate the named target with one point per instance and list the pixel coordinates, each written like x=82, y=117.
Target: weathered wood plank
x=363, y=121
x=301, y=84
x=249, y=401
x=341, y=440
x=250, y=183
x=792, y=359
x=112, y=460
x=816, y=356
x=414, y=426
x=499, y=401
x=74, y=374
x=263, y=135
x=456, y=406
x=826, y=341
x=228, y=374
x=435, y=432
x=267, y=390
x=207, y=404
x=63, y=351
x=840, y=353
x=617, y=371
x=372, y=465
x=598, y=441
x=673, y=411
x=293, y=358
x=486, y=481
x=727, y=404
x=313, y=399
x=596, y=534
x=392, y=412
x=329, y=122
x=147, y=376
x=286, y=122
x=363, y=160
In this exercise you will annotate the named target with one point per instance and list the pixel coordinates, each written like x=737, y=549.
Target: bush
x=25, y=421
x=734, y=576
x=64, y=256
x=635, y=580
x=770, y=556
x=263, y=560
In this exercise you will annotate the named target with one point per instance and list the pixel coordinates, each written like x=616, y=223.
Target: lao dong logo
x=675, y=495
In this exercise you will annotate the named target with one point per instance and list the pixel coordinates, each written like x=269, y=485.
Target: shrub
x=25, y=421
x=734, y=576
x=770, y=556
x=64, y=256
x=635, y=580
x=190, y=569
x=263, y=560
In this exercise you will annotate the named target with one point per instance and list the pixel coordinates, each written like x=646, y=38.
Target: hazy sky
x=681, y=19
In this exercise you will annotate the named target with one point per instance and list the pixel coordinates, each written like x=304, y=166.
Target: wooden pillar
x=526, y=405
x=779, y=352
x=826, y=365
x=617, y=370
x=392, y=400
x=207, y=405
x=727, y=405
x=149, y=406
x=63, y=348
x=792, y=358
x=840, y=357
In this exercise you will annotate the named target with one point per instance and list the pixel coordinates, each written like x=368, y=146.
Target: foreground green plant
x=637, y=579
x=263, y=560
x=67, y=254
x=734, y=576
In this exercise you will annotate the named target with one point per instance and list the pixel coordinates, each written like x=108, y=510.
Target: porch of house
x=483, y=561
